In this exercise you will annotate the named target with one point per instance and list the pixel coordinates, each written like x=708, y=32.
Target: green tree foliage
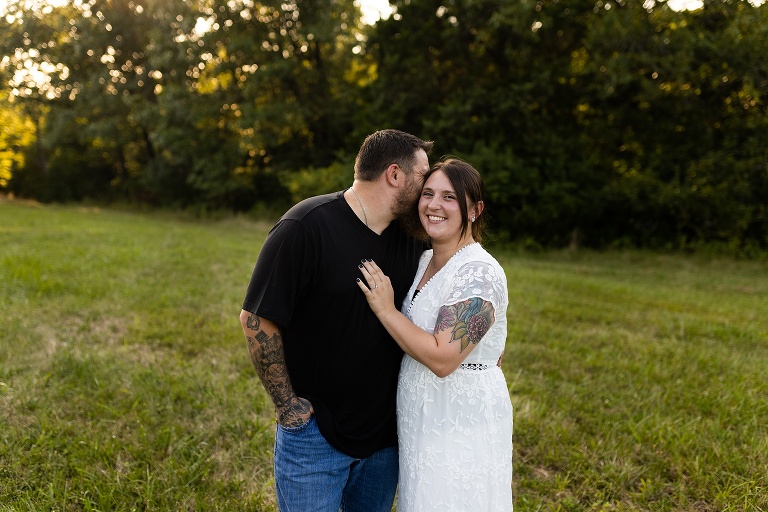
x=280, y=74
x=16, y=134
x=594, y=122
x=115, y=60
x=499, y=92
x=675, y=106
x=175, y=102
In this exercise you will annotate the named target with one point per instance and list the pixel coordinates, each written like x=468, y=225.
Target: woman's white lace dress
x=455, y=433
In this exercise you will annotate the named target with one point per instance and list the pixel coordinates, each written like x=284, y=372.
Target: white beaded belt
x=474, y=366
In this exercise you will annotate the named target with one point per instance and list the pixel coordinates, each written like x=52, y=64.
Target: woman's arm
x=458, y=329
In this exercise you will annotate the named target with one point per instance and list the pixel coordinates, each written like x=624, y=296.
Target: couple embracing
x=375, y=319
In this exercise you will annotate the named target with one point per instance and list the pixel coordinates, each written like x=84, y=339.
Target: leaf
x=460, y=331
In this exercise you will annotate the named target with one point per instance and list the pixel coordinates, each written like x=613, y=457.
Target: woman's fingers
x=372, y=274
x=378, y=278
x=374, y=271
x=378, y=291
x=367, y=274
x=372, y=267
x=362, y=286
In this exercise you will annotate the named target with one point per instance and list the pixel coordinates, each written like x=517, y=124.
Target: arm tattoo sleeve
x=268, y=359
x=468, y=321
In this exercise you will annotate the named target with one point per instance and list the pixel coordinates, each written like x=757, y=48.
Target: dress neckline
x=418, y=290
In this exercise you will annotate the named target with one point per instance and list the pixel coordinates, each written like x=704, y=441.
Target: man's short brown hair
x=384, y=148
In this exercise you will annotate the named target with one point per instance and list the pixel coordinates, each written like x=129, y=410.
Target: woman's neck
x=441, y=253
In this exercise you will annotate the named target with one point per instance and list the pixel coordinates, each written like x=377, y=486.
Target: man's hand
x=295, y=414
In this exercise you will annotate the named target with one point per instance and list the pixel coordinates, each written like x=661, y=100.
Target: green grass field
x=639, y=381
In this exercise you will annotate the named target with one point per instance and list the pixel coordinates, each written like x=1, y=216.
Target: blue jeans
x=313, y=476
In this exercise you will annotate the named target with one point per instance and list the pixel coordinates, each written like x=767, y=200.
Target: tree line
x=596, y=123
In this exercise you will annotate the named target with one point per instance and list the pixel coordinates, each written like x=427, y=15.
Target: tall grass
x=638, y=380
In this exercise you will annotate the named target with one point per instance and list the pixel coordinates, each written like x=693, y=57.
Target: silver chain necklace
x=361, y=205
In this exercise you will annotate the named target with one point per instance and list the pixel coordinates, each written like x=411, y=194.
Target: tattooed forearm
x=253, y=322
x=468, y=321
x=268, y=358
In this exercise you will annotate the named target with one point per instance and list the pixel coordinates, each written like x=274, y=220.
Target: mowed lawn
x=639, y=380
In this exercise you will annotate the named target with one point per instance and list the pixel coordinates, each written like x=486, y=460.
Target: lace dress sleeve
x=478, y=279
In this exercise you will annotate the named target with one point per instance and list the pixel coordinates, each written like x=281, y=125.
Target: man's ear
x=395, y=176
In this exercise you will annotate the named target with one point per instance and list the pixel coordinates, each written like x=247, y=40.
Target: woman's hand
x=379, y=292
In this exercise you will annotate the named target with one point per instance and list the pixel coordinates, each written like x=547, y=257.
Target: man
x=326, y=361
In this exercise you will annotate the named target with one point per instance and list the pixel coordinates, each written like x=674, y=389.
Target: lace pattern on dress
x=455, y=432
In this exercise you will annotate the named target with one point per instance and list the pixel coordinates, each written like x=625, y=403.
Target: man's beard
x=407, y=213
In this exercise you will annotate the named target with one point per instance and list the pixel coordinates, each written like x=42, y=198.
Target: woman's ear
x=478, y=209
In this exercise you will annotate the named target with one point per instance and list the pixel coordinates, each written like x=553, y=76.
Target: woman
x=453, y=408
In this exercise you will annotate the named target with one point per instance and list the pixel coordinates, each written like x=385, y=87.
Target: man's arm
x=265, y=345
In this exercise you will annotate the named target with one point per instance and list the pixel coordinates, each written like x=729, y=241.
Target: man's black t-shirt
x=338, y=354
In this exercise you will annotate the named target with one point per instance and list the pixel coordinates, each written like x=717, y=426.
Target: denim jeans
x=313, y=476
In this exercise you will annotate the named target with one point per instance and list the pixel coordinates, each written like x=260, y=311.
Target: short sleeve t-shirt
x=338, y=354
